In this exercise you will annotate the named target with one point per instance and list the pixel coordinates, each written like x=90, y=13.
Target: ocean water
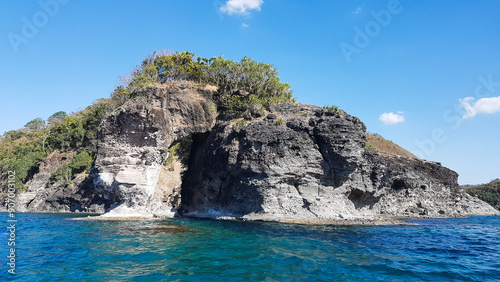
x=53, y=247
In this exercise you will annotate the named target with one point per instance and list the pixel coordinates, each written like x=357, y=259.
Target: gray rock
x=272, y=116
x=241, y=92
x=135, y=141
x=40, y=196
x=314, y=168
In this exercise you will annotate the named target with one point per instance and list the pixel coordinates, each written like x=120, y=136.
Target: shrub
x=331, y=109
x=233, y=105
x=259, y=79
x=67, y=134
x=334, y=110
x=120, y=94
x=82, y=161
x=280, y=122
x=371, y=148
x=56, y=117
x=141, y=81
x=62, y=175
x=35, y=124
x=177, y=66
x=240, y=124
x=180, y=151
x=14, y=135
x=211, y=107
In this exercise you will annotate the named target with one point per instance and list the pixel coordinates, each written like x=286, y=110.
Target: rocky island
x=185, y=138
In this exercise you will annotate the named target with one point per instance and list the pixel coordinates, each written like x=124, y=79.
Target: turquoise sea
x=53, y=247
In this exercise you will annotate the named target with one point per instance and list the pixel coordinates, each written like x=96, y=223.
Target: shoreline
x=301, y=221
x=382, y=220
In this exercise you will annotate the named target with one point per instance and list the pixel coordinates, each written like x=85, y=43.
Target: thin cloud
x=244, y=25
x=472, y=108
x=392, y=118
x=358, y=10
x=241, y=7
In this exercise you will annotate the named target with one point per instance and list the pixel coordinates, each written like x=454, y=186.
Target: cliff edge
x=289, y=162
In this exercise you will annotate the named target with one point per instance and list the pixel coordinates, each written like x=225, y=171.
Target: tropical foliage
x=260, y=80
x=22, y=150
x=81, y=162
x=489, y=192
x=258, y=85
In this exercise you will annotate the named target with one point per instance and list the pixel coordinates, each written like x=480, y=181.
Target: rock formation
x=43, y=196
x=313, y=168
x=293, y=162
x=134, y=144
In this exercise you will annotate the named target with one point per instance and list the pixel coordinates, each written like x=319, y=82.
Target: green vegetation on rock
x=240, y=124
x=81, y=162
x=489, y=192
x=245, y=88
x=62, y=175
x=22, y=150
x=334, y=110
x=371, y=148
x=179, y=151
x=280, y=122
x=256, y=83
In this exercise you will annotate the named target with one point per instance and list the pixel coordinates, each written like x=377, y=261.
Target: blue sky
x=424, y=74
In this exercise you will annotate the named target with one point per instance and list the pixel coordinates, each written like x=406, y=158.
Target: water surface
x=52, y=247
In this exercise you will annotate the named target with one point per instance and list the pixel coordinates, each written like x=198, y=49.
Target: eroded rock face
x=42, y=196
x=410, y=187
x=314, y=167
x=292, y=163
x=135, y=139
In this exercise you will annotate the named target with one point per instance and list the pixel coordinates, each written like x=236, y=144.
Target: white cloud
x=392, y=118
x=244, y=25
x=241, y=7
x=482, y=106
x=358, y=10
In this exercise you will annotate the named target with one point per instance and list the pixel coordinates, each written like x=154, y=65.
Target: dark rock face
x=264, y=167
x=314, y=167
x=291, y=162
x=135, y=140
x=408, y=187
